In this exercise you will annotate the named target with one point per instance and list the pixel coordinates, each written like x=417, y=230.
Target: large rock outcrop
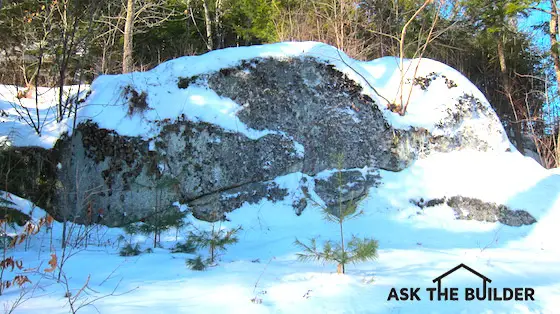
x=313, y=115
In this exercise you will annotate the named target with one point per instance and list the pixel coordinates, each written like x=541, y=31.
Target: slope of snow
x=20, y=118
x=108, y=103
x=23, y=205
x=415, y=246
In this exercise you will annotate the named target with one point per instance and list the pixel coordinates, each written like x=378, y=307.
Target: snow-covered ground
x=415, y=245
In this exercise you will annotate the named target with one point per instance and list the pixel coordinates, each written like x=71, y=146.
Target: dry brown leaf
x=21, y=280
x=8, y=262
x=21, y=238
x=52, y=263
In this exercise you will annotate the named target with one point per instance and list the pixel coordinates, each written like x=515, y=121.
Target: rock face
x=470, y=208
x=312, y=112
x=316, y=105
x=344, y=186
x=467, y=208
x=196, y=163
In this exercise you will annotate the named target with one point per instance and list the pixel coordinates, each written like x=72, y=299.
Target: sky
x=542, y=40
x=535, y=18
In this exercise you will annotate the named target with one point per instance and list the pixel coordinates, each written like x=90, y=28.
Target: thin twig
x=363, y=77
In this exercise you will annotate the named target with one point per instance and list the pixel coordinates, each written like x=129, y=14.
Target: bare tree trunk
x=342, y=245
x=208, y=22
x=553, y=31
x=516, y=125
x=212, y=246
x=502, y=59
x=68, y=47
x=400, y=95
x=64, y=224
x=218, y=24
x=128, y=33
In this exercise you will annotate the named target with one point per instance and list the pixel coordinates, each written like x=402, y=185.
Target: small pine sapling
x=354, y=251
x=215, y=240
x=162, y=220
x=130, y=230
x=164, y=216
x=130, y=249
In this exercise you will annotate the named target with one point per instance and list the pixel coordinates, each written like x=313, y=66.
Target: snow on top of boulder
x=108, y=103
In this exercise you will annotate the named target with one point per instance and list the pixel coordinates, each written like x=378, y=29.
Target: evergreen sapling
x=354, y=251
x=215, y=240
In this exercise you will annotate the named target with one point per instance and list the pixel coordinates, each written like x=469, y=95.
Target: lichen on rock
x=467, y=208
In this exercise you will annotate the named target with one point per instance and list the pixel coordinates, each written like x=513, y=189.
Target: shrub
x=136, y=101
x=196, y=263
x=184, y=82
x=185, y=247
x=11, y=265
x=130, y=250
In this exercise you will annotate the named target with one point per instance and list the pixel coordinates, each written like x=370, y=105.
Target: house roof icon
x=438, y=279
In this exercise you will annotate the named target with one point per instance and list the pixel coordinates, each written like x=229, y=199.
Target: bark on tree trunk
x=502, y=59
x=553, y=31
x=64, y=233
x=208, y=22
x=128, y=33
x=516, y=125
x=218, y=25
